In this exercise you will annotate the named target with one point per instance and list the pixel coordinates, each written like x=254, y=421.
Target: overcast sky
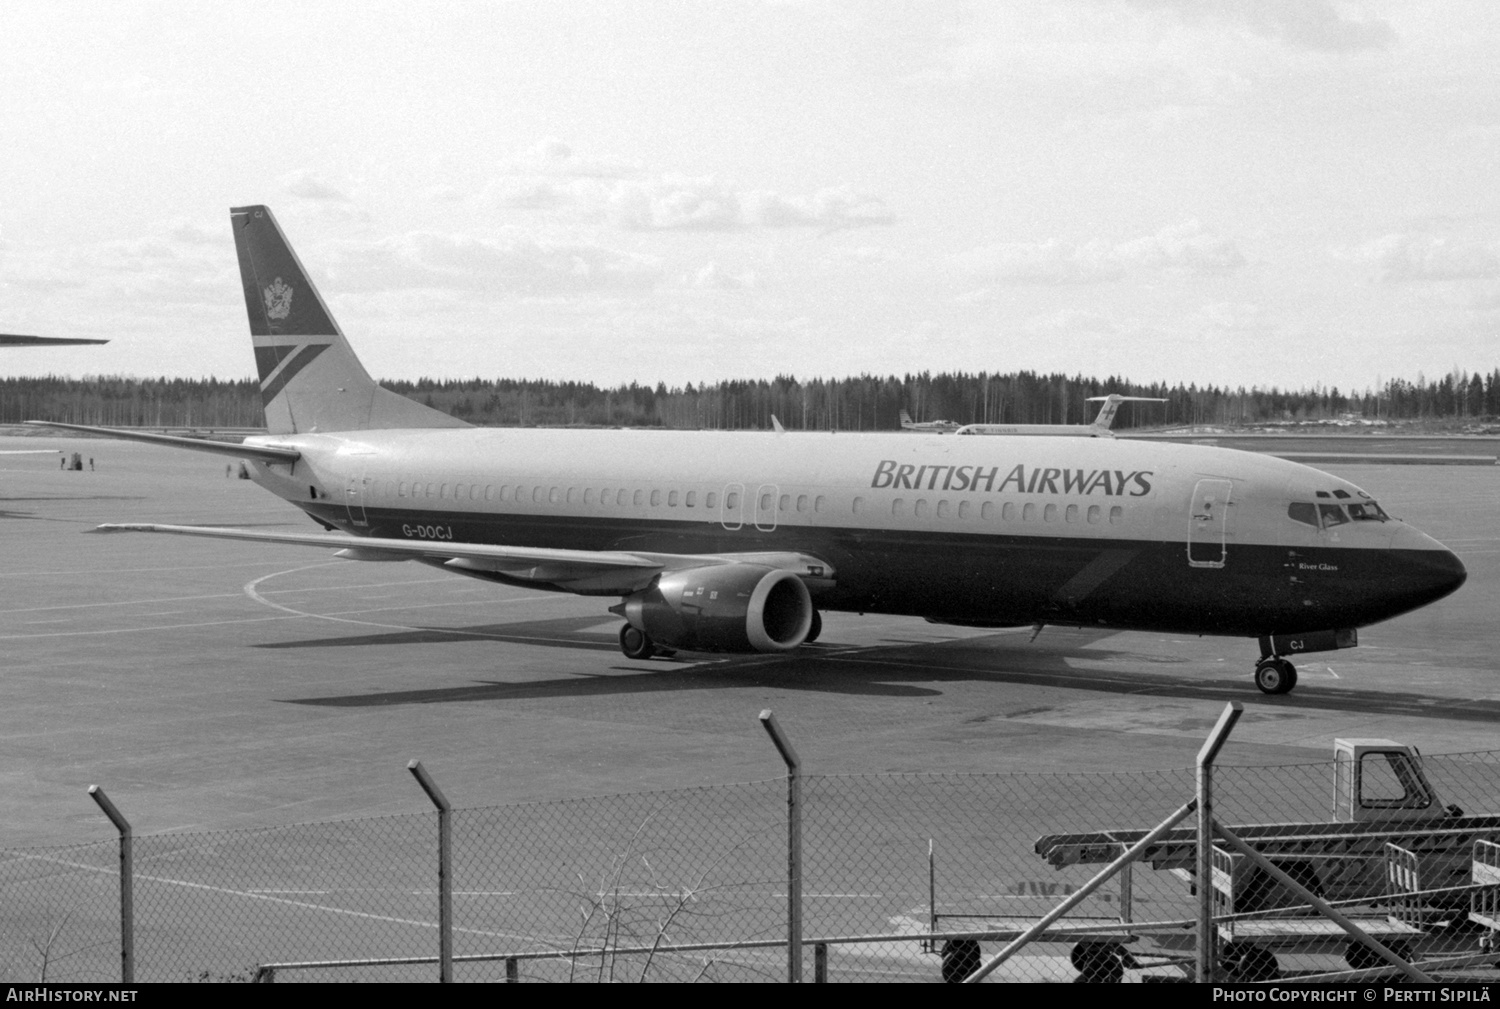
x=1256, y=192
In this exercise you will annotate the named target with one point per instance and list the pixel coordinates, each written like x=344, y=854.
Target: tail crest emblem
x=278, y=300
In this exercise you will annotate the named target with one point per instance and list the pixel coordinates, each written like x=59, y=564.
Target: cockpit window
x=1302, y=511
x=1369, y=511
x=1332, y=515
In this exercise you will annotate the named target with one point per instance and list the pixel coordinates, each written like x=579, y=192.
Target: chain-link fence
x=692, y=884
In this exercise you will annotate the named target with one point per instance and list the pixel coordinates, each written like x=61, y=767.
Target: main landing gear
x=1275, y=675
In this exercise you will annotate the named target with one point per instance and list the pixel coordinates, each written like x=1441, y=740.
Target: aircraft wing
x=265, y=453
x=589, y=572
x=32, y=451
x=19, y=340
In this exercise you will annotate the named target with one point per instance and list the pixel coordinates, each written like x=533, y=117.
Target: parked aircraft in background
x=20, y=340
x=929, y=426
x=735, y=541
x=1100, y=428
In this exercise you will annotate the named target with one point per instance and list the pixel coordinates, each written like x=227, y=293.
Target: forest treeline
x=864, y=403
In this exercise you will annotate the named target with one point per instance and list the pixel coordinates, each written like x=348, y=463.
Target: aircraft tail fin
x=310, y=379
x=1106, y=418
x=905, y=419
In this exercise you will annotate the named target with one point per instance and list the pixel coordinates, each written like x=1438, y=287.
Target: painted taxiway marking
x=252, y=590
x=270, y=898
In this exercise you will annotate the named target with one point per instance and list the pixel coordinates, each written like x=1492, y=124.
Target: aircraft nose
x=1432, y=566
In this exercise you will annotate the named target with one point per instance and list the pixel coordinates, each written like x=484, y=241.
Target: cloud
x=174, y=264
x=1185, y=247
x=1050, y=262
x=510, y=265
x=713, y=277
x=1405, y=259
x=1315, y=25
x=307, y=185
x=551, y=157
x=550, y=177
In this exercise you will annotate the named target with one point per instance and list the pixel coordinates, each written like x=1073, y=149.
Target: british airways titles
x=1037, y=480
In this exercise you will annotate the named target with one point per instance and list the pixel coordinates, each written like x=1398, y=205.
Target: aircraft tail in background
x=1106, y=418
x=310, y=379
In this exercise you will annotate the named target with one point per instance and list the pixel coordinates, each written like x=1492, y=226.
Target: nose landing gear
x=1275, y=675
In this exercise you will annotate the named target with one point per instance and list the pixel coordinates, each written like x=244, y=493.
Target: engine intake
x=724, y=608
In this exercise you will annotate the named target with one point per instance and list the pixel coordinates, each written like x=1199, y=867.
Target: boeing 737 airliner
x=733, y=542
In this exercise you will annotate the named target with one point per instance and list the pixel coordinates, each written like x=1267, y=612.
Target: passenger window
x=732, y=500
x=639, y=498
x=921, y=508
x=711, y=500
x=1332, y=515
x=802, y=502
x=1095, y=514
x=1050, y=515
x=1008, y=513
x=458, y=492
x=401, y=489
x=504, y=492
x=588, y=495
x=786, y=503
x=1116, y=515
x=765, y=503
x=489, y=492
x=443, y=491
x=554, y=495
x=820, y=503
x=692, y=499
x=1304, y=512
x=671, y=499
x=943, y=509
x=655, y=498
x=859, y=505
x=965, y=510
x=987, y=511
x=1028, y=513
x=572, y=495
x=898, y=507
x=1072, y=513
x=620, y=496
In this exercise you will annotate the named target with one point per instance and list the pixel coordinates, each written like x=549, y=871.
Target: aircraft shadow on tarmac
x=563, y=632
x=902, y=670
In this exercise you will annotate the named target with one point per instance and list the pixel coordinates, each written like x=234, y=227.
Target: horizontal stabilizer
x=264, y=453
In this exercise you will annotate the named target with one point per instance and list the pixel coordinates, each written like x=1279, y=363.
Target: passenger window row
x=990, y=511
x=604, y=497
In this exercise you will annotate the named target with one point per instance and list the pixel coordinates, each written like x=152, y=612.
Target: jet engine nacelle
x=724, y=608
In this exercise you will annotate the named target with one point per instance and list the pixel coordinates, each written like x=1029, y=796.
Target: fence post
x=793, y=846
x=445, y=869
x=1208, y=946
x=127, y=885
